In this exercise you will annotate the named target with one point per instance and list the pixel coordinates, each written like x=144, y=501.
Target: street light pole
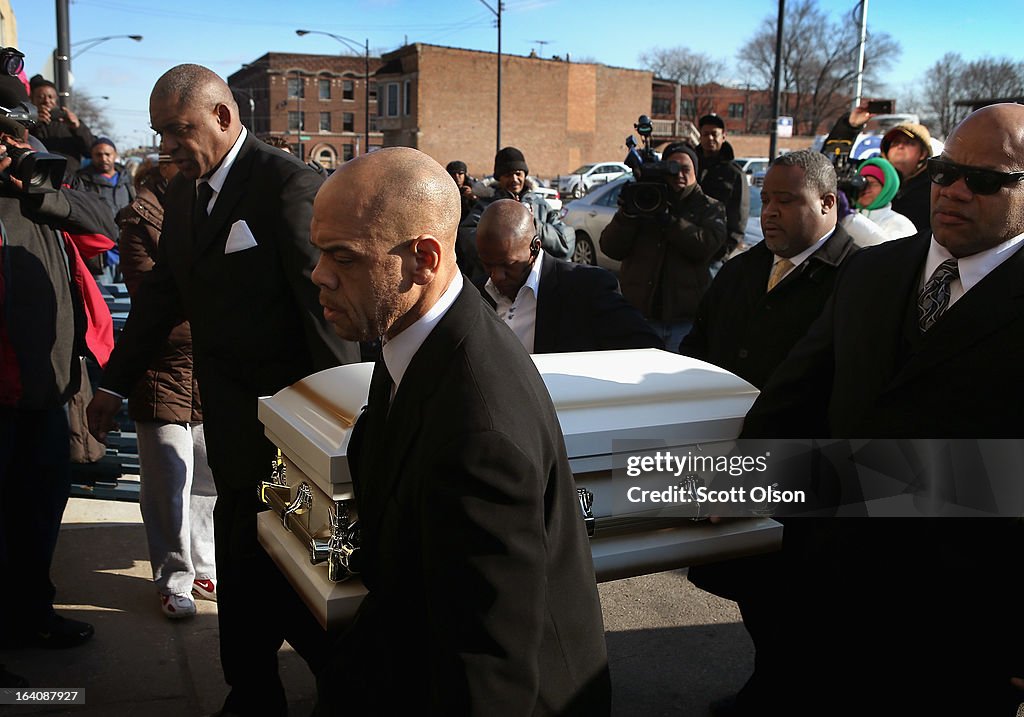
x=352, y=45
x=94, y=41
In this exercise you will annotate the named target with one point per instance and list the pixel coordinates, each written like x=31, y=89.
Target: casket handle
x=586, y=499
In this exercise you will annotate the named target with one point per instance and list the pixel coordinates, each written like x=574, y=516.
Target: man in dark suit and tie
x=552, y=305
x=235, y=260
x=482, y=598
x=759, y=305
x=922, y=338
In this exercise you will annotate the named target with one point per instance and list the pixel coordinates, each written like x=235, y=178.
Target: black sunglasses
x=979, y=181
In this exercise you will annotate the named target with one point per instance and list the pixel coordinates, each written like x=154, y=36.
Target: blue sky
x=222, y=35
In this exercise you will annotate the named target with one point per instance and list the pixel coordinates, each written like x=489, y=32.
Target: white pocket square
x=239, y=238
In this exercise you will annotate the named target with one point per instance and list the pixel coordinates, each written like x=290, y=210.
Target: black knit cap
x=711, y=119
x=40, y=81
x=104, y=140
x=509, y=160
x=676, y=148
x=456, y=166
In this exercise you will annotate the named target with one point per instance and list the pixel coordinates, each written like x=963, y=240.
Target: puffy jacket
x=168, y=390
x=117, y=193
x=665, y=258
x=722, y=180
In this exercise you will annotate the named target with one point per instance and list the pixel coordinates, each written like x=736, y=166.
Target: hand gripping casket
x=608, y=402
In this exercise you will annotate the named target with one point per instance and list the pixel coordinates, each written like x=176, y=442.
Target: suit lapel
x=388, y=461
x=994, y=302
x=545, y=333
x=230, y=194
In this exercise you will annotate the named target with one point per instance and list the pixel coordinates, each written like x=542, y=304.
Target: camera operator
x=50, y=315
x=665, y=251
x=59, y=129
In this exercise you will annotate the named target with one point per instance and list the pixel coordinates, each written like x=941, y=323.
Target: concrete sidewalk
x=672, y=647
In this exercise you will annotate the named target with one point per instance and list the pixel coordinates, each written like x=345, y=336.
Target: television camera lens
x=12, y=61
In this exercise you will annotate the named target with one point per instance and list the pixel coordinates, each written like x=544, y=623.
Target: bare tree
x=694, y=71
x=89, y=111
x=952, y=78
x=819, y=62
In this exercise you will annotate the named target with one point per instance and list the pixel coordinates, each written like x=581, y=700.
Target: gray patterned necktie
x=934, y=299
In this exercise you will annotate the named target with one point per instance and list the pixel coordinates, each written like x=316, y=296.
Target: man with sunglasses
x=921, y=339
x=550, y=304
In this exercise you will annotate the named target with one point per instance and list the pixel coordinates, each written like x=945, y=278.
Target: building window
x=736, y=110
x=296, y=87
x=687, y=108
x=325, y=89
x=407, y=97
x=325, y=121
x=298, y=150
x=661, y=106
x=349, y=153
x=392, y=101
x=373, y=90
x=348, y=122
x=373, y=123
x=296, y=121
x=348, y=90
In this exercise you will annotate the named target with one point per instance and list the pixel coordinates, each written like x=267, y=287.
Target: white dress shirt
x=520, y=314
x=972, y=268
x=399, y=351
x=217, y=179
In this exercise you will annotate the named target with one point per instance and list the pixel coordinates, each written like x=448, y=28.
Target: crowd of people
x=248, y=271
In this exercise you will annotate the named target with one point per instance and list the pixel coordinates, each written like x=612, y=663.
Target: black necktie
x=934, y=299
x=203, y=197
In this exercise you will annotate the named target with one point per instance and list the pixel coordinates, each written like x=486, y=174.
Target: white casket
x=607, y=402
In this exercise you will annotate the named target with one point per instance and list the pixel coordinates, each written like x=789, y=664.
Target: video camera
x=38, y=172
x=849, y=182
x=649, y=195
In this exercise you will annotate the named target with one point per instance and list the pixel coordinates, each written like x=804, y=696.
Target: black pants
x=35, y=481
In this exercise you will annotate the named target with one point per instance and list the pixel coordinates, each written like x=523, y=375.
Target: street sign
x=304, y=138
x=785, y=126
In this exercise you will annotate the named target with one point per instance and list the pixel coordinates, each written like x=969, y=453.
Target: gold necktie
x=779, y=270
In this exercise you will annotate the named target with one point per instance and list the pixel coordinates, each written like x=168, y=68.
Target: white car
x=752, y=167
x=589, y=176
x=551, y=196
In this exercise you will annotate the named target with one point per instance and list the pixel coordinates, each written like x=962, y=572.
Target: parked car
x=589, y=176
x=589, y=216
x=752, y=167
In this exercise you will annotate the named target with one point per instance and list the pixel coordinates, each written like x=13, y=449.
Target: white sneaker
x=177, y=605
x=204, y=589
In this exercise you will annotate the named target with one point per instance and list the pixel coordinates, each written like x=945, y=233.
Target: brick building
x=442, y=100
x=316, y=102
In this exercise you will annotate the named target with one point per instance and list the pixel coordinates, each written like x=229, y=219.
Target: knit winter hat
x=676, y=148
x=456, y=166
x=911, y=130
x=509, y=160
x=886, y=174
x=104, y=140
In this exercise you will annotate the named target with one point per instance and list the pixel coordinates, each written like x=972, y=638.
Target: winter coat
x=118, y=193
x=62, y=138
x=665, y=258
x=167, y=391
x=893, y=225
x=722, y=180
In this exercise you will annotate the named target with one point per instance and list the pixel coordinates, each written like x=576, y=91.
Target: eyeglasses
x=979, y=181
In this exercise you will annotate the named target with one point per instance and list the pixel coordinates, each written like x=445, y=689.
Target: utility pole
x=497, y=14
x=860, y=53
x=62, y=57
x=773, y=144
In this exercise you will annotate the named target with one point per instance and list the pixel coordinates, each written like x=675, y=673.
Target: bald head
x=193, y=86
x=197, y=118
x=385, y=225
x=507, y=244
x=966, y=221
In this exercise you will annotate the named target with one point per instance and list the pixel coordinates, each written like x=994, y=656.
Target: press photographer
x=58, y=128
x=51, y=314
x=666, y=232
